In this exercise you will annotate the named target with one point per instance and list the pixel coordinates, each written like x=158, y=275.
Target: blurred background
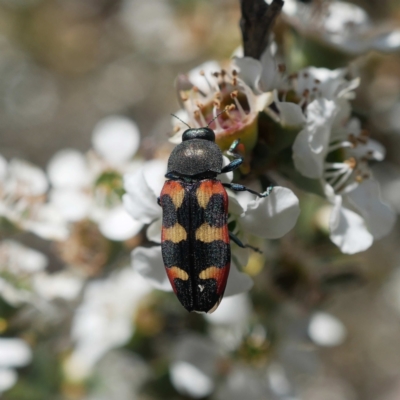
x=318, y=325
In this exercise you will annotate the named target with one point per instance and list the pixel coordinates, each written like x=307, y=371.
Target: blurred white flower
x=326, y=330
x=244, y=382
x=155, y=28
x=104, y=320
x=88, y=186
x=62, y=285
x=14, y=353
x=23, y=277
x=270, y=217
x=18, y=265
x=116, y=139
x=340, y=25
x=194, y=366
x=229, y=322
x=23, y=189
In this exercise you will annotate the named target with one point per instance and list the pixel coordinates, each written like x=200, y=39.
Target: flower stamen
x=239, y=107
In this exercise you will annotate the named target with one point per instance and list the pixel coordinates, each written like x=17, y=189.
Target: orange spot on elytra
x=174, y=190
x=207, y=189
x=219, y=274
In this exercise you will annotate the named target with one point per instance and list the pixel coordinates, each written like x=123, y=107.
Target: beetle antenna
x=226, y=108
x=183, y=122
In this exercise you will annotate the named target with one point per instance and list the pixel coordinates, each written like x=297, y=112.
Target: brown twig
x=256, y=23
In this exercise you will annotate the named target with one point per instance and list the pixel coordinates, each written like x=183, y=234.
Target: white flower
x=270, y=217
x=23, y=188
x=316, y=92
x=205, y=92
x=104, y=319
x=14, y=353
x=87, y=186
x=340, y=161
x=326, y=330
x=340, y=25
x=194, y=367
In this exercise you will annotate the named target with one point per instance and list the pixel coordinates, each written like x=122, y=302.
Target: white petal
x=270, y=74
x=227, y=177
x=48, y=224
x=290, y=114
x=238, y=282
x=290, y=7
x=199, y=81
x=22, y=259
x=14, y=353
x=273, y=216
x=233, y=310
x=28, y=179
x=378, y=216
x=116, y=138
x=348, y=229
x=177, y=138
x=177, y=122
x=147, y=261
x=72, y=204
x=307, y=162
x=388, y=42
x=153, y=232
x=240, y=255
x=68, y=169
x=376, y=150
x=250, y=71
x=119, y=225
x=342, y=13
x=194, y=366
x=320, y=116
x=326, y=330
x=8, y=379
x=61, y=285
x=140, y=200
x=235, y=207
x=190, y=381
x=154, y=172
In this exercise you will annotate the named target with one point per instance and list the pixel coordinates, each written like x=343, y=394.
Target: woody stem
x=256, y=23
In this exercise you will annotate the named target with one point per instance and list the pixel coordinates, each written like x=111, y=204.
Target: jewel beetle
x=195, y=240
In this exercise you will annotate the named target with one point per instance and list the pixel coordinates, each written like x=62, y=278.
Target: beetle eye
x=199, y=133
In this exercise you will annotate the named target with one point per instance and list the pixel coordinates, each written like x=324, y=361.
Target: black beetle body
x=195, y=239
x=197, y=155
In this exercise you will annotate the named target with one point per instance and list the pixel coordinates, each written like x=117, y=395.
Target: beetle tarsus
x=236, y=240
x=241, y=188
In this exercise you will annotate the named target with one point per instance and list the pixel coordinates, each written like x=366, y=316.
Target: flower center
x=353, y=167
x=225, y=92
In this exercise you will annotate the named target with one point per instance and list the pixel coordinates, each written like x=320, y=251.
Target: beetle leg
x=236, y=240
x=171, y=175
x=233, y=148
x=232, y=165
x=240, y=188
